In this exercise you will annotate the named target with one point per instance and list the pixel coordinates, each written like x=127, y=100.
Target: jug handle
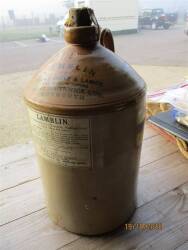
x=106, y=39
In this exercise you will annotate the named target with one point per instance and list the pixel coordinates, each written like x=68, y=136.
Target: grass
x=26, y=32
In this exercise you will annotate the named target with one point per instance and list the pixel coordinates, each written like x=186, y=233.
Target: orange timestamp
x=143, y=226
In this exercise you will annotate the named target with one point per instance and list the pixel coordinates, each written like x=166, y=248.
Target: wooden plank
x=20, y=201
x=183, y=246
x=25, y=169
x=19, y=172
x=15, y=153
x=161, y=176
x=155, y=148
x=19, y=234
x=172, y=168
x=169, y=238
x=149, y=132
x=173, y=206
x=35, y=231
x=20, y=151
x=154, y=180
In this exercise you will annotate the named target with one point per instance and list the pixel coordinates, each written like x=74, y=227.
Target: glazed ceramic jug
x=87, y=109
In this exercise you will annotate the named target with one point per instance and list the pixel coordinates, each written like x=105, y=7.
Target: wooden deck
x=162, y=198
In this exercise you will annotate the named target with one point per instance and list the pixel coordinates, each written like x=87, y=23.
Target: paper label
x=62, y=139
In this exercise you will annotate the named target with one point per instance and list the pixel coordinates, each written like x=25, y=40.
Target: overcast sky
x=35, y=7
x=171, y=5
x=25, y=7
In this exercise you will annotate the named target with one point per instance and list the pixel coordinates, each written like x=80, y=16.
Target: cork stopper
x=81, y=27
x=79, y=17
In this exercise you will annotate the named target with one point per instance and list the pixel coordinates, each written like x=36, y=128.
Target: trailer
x=121, y=16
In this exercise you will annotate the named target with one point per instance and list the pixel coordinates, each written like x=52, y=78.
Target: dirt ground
x=14, y=126
x=166, y=50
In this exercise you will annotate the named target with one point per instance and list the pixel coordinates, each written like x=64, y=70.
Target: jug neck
x=84, y=35
x=82, y=28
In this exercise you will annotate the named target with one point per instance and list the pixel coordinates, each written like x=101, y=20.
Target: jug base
x=99, y=232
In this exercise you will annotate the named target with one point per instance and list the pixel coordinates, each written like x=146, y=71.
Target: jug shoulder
x=83, y=76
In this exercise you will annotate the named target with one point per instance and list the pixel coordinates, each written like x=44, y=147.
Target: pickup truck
x=155, y=18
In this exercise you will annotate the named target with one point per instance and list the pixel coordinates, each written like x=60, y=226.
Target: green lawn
x=26, y=32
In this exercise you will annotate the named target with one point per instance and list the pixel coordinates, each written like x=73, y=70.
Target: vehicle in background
x=172, y=17
x=43, y=38
x=154, y=18
x=121, y=16
x=186, y=23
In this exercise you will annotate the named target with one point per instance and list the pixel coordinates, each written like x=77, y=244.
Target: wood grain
x=20, y=201
x=19, y=164
x=161, y=198
x=149, y=132
x=155, y=148
x=169, y=173
x=35, y=231
x=183, y=246
x=169, y=238
x=161, y=176
x=15, y=153
x=154, y=180
x=19, y=172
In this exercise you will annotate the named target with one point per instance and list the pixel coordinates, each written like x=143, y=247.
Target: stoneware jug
x=87, y=109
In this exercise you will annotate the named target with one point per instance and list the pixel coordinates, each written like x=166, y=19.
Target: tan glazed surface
x=87, y=109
